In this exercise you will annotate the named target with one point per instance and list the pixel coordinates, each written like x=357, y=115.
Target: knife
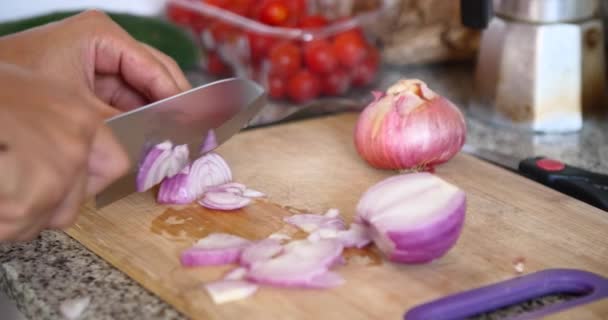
x=223, y=108
x=579, y=183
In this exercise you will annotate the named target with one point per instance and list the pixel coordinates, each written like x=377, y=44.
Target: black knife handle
x=581, y=184
x=476, y=14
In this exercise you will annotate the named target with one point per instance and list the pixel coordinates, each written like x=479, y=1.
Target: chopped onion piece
x=223, y=201
x=161, y=161
x=356, y=236
x=250, y=193
x=298, y=266
x=236, y=274
x=332, y=213
x=260, y=251
x=279, y=236
x=223, y=291
x=231, y=187
x=413, y=218
x=73, y=308
x=215, y=249
x=210, y=142
x=194, y=180
x=311, y=222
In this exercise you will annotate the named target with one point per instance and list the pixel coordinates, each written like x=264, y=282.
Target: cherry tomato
x=241, y=7
x=319, y=56
x=274, y=13
x=350, y=48
x=285, y=59
x=218, y=3
x=276, y=86
x=311, y=22
x=179, y=15
x=216, y=66
x=303, y=86
x=366, y=71
x=259, y=46
x=335, y=83
x=221, y=31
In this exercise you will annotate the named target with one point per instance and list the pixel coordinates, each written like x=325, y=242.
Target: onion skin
x=413, y=218
x=409, y=127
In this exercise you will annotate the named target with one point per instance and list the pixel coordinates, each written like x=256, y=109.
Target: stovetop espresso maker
x=541, y=63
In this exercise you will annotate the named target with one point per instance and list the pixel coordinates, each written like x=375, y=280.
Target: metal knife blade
x=224, y=106
x=504, y=160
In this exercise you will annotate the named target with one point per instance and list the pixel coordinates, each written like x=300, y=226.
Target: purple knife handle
x=590, y=286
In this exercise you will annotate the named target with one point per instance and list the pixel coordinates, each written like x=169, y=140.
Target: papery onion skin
x=409, y=127
x=417, y=226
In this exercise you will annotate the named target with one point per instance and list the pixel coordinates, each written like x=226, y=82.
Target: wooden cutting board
x=312, y=166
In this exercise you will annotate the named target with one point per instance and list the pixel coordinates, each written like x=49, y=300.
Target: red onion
x=409, y=127
x=223, y=201
x=223, y=291
x=192, y=182
x=413, y=218
x=260, y=251
x=215, y=249
x=310, y=222
x=300, y=265
x=162, y=161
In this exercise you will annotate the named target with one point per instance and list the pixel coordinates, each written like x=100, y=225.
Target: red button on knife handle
x=550, y=164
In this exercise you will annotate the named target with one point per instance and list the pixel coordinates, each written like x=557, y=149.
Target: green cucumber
x=162, y=35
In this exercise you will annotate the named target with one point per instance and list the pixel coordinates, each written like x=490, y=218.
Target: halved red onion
x=300, y=264
x=223, y=201
x=192, y=182
x=161, y=161
x=413, y=218
x=215, y=249
x=309, y=222
x=260, y=251
x=223, y=291
x=210, y=142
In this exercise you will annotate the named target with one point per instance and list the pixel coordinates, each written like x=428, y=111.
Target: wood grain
x=312, y=165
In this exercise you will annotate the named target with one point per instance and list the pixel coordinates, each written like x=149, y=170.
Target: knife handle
x=581, y=184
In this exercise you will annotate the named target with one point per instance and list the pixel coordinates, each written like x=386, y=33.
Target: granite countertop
x=41, y=274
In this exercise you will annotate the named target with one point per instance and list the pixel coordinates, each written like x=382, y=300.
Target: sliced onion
x=223, y=291
x=250, y=193
x=215, y=249
x=232, y=187
x=192, y=182
x=238, y=273
x=310, y=222
x=260, y=251
x=210, y=142
x=413, y=218
x=162, y=161
x=279, y=236
x=332, y=213
x=301, y=262
x=356, y=236
x=223, y=201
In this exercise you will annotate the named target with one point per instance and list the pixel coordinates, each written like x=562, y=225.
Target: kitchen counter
x=53, y=268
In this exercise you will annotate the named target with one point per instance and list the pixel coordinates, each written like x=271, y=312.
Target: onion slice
x=238, y=273
x=251, y=193
x=223, y=291
x=193, y=181
x=260, y=251
x=299, y=265
x=223, y=201
x=215, y=249
x=413, y=218
x=309, y=222
x=161, y=161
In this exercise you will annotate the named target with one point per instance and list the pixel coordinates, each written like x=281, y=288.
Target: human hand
x=54, y=152
x=90, y=52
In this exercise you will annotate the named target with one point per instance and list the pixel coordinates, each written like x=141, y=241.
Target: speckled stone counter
x=39, y=275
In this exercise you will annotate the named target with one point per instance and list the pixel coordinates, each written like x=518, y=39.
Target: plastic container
x=297, y=65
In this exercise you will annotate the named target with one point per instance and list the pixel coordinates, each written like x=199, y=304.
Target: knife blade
x=224, y=107
x=585, y=185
